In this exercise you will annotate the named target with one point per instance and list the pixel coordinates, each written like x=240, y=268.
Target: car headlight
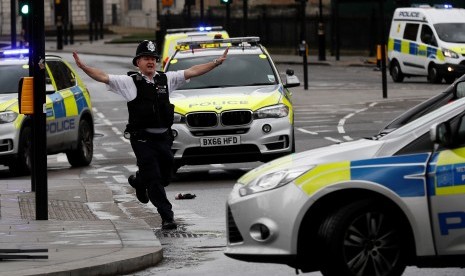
x=273, y=180
x=449, y=53
x=275, y=111
x=178, y=118
x=8, y=117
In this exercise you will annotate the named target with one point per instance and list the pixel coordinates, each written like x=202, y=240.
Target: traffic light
x=23, y=7
x=226, y=2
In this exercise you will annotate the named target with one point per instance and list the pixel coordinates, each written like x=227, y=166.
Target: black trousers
x=155, y=161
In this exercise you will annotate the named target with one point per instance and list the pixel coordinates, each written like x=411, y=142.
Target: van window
x=427, y=36
x=451, y=32
x=411, y=31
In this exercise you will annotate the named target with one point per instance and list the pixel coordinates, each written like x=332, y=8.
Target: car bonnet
x=354, y=150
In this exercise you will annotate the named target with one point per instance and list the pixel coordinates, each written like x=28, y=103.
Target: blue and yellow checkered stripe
x=395, y=173
x=449, y=168
x=413, y=48
x=68, y=103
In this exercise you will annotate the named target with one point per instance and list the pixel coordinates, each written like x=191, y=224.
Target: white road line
x=340, y=125
x=312, y=121
x=120, y=178
x=333, y=140
x=347, y=138
x=307, y=131
x=117, y=131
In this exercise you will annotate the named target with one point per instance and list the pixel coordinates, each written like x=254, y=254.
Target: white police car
x=367, y=207
x=69, y=119
x=239, y=112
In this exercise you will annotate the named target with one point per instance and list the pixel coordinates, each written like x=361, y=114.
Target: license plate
x=220, y=141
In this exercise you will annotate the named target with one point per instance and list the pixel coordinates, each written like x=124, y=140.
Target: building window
x=134, y=5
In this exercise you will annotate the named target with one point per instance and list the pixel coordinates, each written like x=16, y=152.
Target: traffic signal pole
x=13, y=23
x=39, y=154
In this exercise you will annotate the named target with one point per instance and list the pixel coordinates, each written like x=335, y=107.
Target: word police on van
x=427, y=41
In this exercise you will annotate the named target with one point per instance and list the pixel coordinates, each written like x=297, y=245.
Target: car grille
x=236, y=117
x=202, y=119
x=233, y=232
x=210, y=119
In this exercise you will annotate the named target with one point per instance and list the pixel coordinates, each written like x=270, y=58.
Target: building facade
x=130, y=13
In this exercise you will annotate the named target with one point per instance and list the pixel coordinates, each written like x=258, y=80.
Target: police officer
x=150, y=118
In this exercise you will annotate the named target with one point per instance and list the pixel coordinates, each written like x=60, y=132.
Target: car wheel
x=396, y=72
x=21, y=165
x=362, y=238
x=82, y=155
x=449, y=79
x=433, y=74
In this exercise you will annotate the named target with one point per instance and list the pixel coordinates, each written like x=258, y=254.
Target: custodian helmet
x=145, y=48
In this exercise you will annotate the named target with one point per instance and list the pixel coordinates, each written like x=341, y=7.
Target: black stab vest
x=151, y=108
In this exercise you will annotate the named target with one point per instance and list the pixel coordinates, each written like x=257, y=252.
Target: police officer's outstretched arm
x=201, y=69
x=92, y=72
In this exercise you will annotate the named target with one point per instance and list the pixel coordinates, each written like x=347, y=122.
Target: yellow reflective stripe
x=17, y=123
x=458, y=49
x=405, y=47
x=390, y=44
x=324, y=175
x=450, y=157
x=70, y=103
x=422, y=50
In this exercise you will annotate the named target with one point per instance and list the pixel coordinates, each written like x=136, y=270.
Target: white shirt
x=124, y=85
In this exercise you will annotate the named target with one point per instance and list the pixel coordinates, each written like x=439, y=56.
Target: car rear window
x=237, y=70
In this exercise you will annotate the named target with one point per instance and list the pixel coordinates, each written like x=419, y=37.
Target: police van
x=427, y=41
x=68, y=108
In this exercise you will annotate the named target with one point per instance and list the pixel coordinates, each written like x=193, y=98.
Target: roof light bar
x=443, y=6
x=234, y=40
x=198, y=29
x=15, y=52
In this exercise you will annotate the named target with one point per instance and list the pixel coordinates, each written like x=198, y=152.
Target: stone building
x=128, y=13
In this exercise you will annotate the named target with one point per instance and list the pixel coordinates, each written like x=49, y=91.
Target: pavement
x=87, y=232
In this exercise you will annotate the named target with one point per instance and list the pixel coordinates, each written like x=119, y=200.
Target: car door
x=447, y=192
x=62, y=111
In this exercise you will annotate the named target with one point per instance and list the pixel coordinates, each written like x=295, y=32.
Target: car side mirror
x=441, y=134
x=291, y=79
x=459, y=90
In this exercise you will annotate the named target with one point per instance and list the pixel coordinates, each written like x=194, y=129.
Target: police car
x=367, y=207
x=239, y=112
x=173, y=36
x=69, y=119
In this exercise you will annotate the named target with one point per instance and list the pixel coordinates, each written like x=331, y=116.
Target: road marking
x=307, y=131
x=333, y=140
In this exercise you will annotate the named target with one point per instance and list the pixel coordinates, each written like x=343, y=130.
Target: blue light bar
x=15, y=52
x=443, y=6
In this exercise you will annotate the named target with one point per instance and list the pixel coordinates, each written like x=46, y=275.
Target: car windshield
x=237, y=70
x=10, y=76
x=451, y=32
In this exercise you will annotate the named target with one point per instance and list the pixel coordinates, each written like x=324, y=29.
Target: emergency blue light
x=203, y=29
x=443, y=6
x=15, y=52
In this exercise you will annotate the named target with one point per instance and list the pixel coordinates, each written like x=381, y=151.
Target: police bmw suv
x=239, y=112
x=69, y=119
